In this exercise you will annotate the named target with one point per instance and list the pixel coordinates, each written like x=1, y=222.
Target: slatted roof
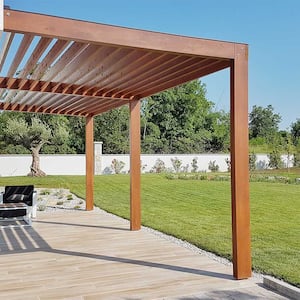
x=63, y=66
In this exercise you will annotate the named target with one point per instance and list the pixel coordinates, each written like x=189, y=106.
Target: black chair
x=15, y=195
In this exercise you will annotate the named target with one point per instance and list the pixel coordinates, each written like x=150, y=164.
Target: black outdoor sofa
x=18, y=203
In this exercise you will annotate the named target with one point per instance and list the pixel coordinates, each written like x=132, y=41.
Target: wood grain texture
x=94, y=255
x=241, y=238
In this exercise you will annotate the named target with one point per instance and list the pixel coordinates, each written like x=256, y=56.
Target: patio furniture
x=18, y=203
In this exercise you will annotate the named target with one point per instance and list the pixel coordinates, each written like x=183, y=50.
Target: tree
x=263, y=122
x=295, y=132
x=112, y=128
x=33, y=134
x=181, y=120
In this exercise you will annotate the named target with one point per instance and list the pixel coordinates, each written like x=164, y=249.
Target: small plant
x=59, y=202
x=77, y=207
x=159, y=166
x=80, y=202
x=194, y=165
x=60, y=194
x=228, y=163
x=252, y=161
x=212, y=166
x=45, y=192
x=41, y=207
x=70, y=197
x=275, y=159
x=176, y=163
x=117, y=165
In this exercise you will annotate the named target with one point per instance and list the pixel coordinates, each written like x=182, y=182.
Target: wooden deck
x=93, y=255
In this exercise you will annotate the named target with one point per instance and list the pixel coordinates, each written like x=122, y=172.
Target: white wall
x=19, y=165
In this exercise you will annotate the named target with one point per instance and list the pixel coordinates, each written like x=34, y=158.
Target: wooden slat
x=23, y=47
x=5, y=48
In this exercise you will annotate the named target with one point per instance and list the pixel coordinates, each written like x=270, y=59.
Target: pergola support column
x=89, y=158
x=240, y=202
x=135, y=166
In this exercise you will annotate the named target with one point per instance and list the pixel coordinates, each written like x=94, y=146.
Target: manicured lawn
x=199, y=212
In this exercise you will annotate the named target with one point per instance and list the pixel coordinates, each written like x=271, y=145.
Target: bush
x=252, y=161
x=176, y=163
x=194, y=165
x=117, y=165
x=213, y=167
x=275, y=160
x=159, y=166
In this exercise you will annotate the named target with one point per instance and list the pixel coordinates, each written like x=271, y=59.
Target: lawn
x=199, y=211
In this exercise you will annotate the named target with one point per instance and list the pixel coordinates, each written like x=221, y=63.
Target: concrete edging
x=281, y=287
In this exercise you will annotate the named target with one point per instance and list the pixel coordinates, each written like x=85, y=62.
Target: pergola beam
x=88, y=32
x=135, y=166
x=241, y=249
x=89, y=157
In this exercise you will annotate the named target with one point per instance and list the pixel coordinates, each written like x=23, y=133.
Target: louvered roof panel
x=53, y=67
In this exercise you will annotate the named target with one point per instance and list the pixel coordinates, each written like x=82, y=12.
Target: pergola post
x=135, y=166
x=89, y=158
x=240, y=202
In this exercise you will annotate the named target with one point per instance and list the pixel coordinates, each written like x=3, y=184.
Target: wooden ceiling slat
x=161, y=75
x=23, y=47
x=94, y=65
x=185, y=78
x=64, y=60
x=31, y=64
x=79, y=60
x=79, y=105
x=63, y=102
x=155, y=73
x=5, y=48
x=150, y=66
x=132, y=70
x=54, y=52
x=98, y=111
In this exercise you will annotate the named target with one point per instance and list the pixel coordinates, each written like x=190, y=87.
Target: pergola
x=53, y=65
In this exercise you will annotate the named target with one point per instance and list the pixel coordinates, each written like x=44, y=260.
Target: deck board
x=93, y=255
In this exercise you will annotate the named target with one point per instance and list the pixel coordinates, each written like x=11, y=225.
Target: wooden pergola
x=54, y=65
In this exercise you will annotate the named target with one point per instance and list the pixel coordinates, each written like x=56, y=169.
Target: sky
x=271, y=28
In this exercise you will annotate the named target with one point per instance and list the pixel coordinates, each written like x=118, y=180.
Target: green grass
x=199, y=211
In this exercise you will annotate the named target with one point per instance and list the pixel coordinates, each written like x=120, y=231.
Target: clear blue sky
x=270, y=27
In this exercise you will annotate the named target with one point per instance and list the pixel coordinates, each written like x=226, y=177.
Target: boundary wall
x=69, y=164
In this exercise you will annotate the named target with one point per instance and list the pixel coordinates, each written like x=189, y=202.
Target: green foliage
x=176, y=164
x=117, y=165
x=263, y=122
x=252, y=161
x=159, y=166
x=295, y=132
x=112, y=128
x=212, y=166
x=194, y=165
x=182, y=120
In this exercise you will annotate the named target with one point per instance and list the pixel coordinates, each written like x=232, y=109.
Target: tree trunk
x=35, y=170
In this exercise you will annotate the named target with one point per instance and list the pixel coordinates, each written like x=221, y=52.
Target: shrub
x=117, y=165
x=70, y=197
x=59, y=202
x=252, y=161
x=45, y=192
x=275, y=159
x=159, y=166
x=213, y=167
x=176, y=163
x=194, y=165
x=228, y=163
